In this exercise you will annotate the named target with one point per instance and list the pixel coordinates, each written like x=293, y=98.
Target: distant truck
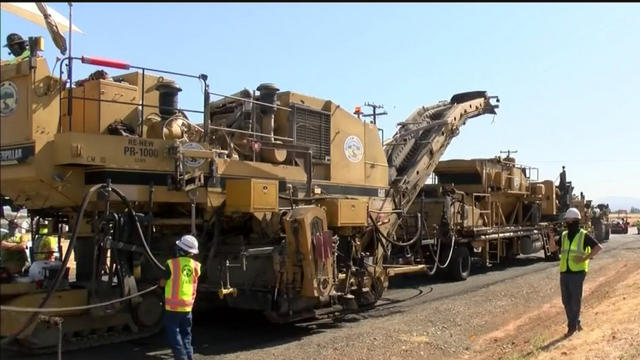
x=620, y=226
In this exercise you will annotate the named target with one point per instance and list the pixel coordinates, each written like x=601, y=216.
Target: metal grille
x=313, y=127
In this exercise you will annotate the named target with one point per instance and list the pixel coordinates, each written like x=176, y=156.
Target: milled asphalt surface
x=221, y=333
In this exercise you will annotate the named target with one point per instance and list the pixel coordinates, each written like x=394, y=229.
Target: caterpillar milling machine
x=294, y=200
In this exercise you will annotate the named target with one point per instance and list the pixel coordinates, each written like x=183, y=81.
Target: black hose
x=65, y=261
x=72, y=241
x=435, y=266
x=140, y=233
x=413, y=240
x=436, y=258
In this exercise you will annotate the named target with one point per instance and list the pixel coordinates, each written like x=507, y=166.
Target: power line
x=592, y=160
x=375, y=114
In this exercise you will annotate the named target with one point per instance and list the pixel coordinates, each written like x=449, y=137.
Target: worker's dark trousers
x=571, y=289
x=177, y=328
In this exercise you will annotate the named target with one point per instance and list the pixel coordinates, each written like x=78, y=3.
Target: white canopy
x=30, y=12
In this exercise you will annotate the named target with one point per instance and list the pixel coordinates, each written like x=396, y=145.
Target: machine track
x=87, y=341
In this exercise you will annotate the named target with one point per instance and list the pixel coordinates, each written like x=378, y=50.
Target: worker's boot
x=570, y=332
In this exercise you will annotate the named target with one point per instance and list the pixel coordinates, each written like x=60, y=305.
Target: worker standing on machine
x=577, y=247
x=13, y=253
x=18, y=47
x=47, y=245
x=180, y=285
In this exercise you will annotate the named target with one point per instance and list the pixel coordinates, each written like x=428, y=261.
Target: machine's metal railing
x=526, y=170
x=140, y=102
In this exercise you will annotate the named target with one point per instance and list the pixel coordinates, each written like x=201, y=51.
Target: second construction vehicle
x=491, y=209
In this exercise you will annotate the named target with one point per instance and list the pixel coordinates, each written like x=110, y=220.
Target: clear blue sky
x=568, y=75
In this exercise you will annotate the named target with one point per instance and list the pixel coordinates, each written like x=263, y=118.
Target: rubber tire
x=151, y=305
x=510, y=256
x=460, y=266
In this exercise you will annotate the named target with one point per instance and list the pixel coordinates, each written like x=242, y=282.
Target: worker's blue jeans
x=571, y=290
x=177, y=327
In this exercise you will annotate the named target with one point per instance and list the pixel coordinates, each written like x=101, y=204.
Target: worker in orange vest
x=180, y=285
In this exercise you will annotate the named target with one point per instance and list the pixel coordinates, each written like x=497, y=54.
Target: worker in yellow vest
x=18, y=47
x=577, y=247
x=48, y=244
x=13, y=250
x=180, y=285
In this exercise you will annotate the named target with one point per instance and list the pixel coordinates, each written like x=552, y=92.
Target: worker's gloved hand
x=580, y=258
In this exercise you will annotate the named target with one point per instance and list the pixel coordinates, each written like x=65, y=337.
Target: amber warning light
x=105, y=62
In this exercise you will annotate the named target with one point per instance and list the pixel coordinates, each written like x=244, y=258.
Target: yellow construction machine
x=594, y=219
x=294, y=200
x=493, y=209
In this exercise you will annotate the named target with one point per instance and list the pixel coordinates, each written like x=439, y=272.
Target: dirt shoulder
x=610, y=317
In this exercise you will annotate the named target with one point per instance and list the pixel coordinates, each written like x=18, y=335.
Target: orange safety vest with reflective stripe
x=570, y=250
x=180, y=289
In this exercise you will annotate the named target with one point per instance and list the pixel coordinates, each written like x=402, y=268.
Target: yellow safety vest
x=180, y=289
x=47, y=244
x=14, y=258
x=571, y=249
x=25, y=54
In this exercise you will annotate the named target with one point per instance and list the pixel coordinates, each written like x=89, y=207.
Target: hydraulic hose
x=65, y=261
x=438, y=254
x=75, y=308
x=413, y=240
x=72, y=241
x=435, y=266
x=140, y=233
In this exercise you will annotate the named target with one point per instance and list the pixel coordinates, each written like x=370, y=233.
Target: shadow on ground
x=228, y=331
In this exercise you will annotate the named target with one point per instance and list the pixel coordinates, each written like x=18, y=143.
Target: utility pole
x=375, y=114
x=509, y=152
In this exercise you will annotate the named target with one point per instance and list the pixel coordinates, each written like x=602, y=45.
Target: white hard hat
x=572, y=213
x=188, y=243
